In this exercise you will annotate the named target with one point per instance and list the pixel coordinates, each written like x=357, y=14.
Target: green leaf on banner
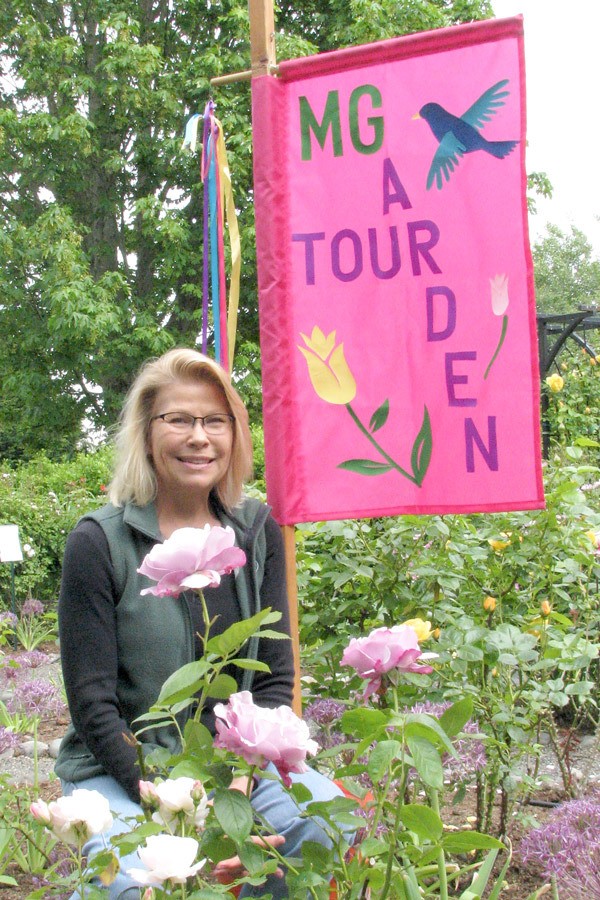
x=365, y=466
x=421, y=451
x=379, y=417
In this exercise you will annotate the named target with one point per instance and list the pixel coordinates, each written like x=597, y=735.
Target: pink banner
x=396, y=292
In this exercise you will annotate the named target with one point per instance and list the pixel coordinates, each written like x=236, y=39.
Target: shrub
x=45, y=499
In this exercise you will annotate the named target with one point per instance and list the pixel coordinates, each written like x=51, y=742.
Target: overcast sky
x=562, y=60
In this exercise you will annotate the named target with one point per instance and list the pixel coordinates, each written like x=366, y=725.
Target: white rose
x=167, y=858
x=180, y=795
x=74, y=819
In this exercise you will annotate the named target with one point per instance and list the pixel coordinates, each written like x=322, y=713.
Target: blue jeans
x=269, y=800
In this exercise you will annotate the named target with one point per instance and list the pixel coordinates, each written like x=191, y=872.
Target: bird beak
x=416, y=116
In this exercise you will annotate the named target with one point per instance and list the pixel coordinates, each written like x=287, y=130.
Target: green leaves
x=421, y=451
x=234, y=638
x=421, y=820
x=234, y=813
x=365, y=466
x=380, y=416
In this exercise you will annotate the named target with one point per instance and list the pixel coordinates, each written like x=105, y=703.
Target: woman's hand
x=230, y=869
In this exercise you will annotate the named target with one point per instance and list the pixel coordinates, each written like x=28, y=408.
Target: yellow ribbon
x=228, y=209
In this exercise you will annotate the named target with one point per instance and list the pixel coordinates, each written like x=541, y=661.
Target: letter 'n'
x=489, y=452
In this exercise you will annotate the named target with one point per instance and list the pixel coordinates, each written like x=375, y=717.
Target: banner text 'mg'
x=366, y=140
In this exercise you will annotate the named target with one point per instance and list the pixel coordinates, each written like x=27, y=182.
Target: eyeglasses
x=217, y=423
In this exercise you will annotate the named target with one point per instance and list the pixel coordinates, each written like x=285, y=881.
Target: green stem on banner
x=378, y=447
x=497, y=350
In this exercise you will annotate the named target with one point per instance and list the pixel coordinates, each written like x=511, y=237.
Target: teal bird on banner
x=461, y=134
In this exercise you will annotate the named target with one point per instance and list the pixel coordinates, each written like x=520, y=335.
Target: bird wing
x=445, y=160
x=487, y=105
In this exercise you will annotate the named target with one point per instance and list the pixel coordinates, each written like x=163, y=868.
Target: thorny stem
x=379, y=448
x=441, y=860
x=564, y=769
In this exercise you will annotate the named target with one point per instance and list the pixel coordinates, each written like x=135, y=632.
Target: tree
x=567, y=276
x=100, y=254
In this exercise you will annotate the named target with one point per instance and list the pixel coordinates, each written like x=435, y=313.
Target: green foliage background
x=100, y=253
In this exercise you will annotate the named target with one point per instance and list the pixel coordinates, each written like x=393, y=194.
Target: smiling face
x=189, y=463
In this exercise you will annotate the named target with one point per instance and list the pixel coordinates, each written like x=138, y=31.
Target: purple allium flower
x=471, y=752
x=32, y=659
x=8, y=619
x=10, y=672
x=584, y=882
x=8, y=740
x=568, y=846
x=325, y=711
x=32, y=607
x=37, y=698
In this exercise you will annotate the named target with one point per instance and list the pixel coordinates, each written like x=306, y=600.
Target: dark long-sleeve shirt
x=89, y=649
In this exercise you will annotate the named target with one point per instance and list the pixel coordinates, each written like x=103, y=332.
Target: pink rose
x=191, y=558
x=260, y=735
x=382, y=650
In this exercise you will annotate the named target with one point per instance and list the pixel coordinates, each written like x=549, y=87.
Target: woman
x=183, y=452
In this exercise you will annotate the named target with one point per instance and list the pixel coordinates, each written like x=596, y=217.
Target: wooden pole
x=264, y=62
x=262, y=36
x=289, y=543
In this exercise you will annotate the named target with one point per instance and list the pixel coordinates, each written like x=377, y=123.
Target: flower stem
x=36, y=779
x=497, y=350
x=378, y=447
x=442, y=874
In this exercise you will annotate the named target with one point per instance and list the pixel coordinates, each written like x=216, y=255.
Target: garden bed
x=521, y=881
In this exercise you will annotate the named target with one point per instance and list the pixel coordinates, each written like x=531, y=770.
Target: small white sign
x=10, y=545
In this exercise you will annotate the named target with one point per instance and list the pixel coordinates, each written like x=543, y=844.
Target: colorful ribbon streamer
x=218, y=208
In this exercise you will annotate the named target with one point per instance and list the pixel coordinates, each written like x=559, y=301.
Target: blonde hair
x=134, y=479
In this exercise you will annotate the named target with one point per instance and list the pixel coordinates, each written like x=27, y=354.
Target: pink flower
x=191, y=558
x=260, y=735
x=74, y=819
x=382, y=650
x=167, y=858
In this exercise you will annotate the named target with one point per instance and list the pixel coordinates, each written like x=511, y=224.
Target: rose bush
x=192, y=558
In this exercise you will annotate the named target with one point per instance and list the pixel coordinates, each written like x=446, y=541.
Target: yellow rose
x=555, y=382
x=327, y=367
x=594, y=537
x=545, y=608
x=421, y=628
x=498, y=546
x=489, y=604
